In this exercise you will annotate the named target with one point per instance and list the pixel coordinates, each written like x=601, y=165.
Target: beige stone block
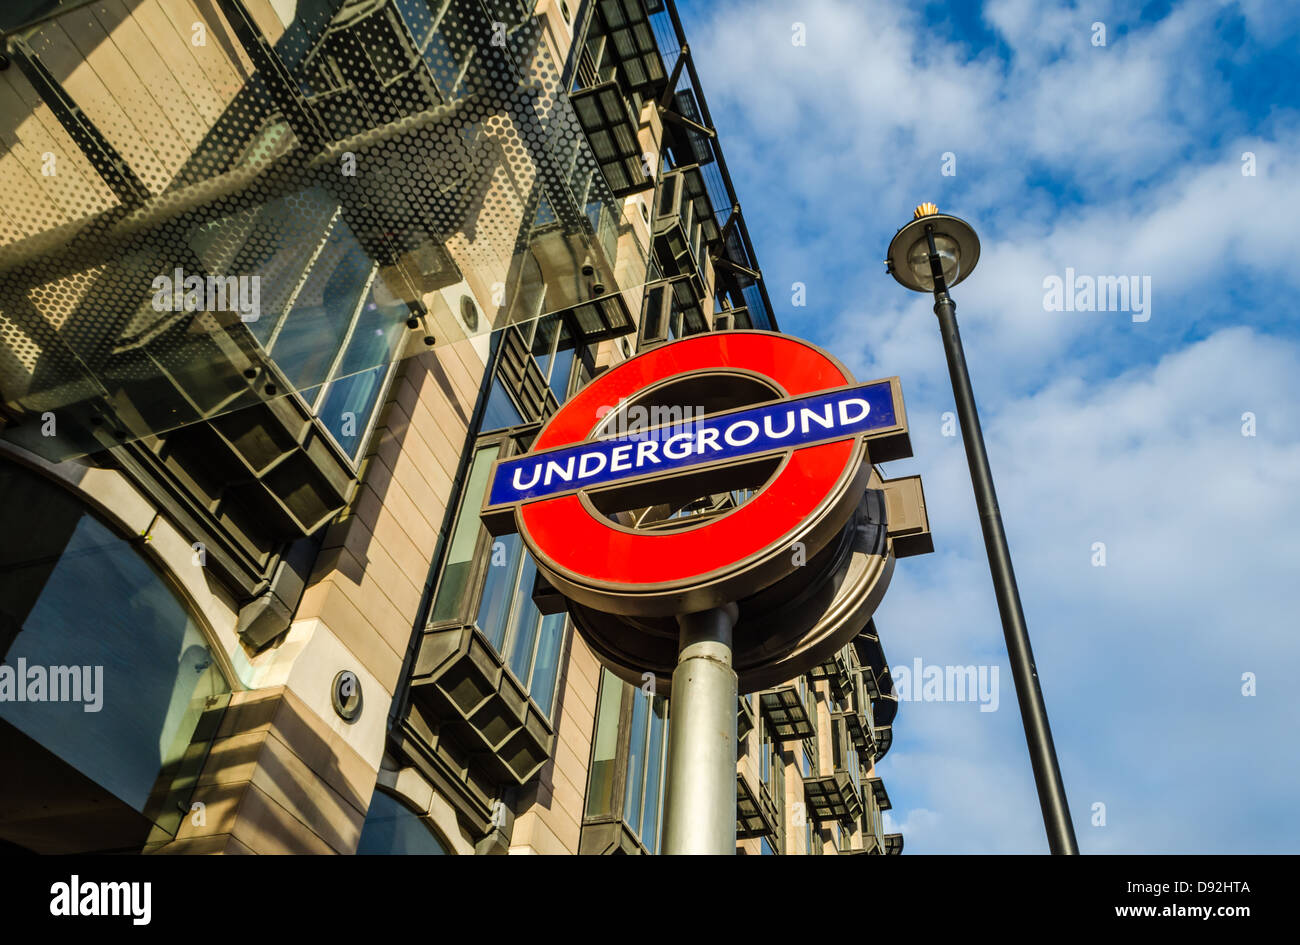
x=301, y=791
x=414, y=528
x=328, y=603
x=532, y=835
x=218, y=845
x=567, y=800
x=281, y=714
x=266, y=827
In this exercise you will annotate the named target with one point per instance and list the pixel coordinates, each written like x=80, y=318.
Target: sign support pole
x=700, y=802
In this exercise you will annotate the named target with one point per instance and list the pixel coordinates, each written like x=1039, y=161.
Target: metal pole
x=1033, y=711
x=700, y=802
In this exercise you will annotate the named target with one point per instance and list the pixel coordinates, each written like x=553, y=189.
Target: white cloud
x=1114, y=161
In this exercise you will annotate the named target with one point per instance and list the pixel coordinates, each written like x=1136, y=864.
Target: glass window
x=274, y=243
x=393, y=828
x=309, y=338
x=636, y=761
x=645, y=768
x=528, y=640
x=460, y=552
x=562, y=369
x=544, y=678
x=117, y=671
x=604, y=750
x=500, y=411
x=554, y=351
x=329, y=326
x=498, y=589
x=354, y=393
x=654, y=775
x=645, y=751
x=778, y=790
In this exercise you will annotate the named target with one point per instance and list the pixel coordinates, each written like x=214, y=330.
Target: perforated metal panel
x=204, y=207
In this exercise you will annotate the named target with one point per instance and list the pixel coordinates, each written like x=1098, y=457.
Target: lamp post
x=930, y=254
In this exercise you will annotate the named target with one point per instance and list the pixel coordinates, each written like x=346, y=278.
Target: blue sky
x=1122, y=159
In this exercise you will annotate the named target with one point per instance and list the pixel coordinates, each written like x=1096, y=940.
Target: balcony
x=859, y=731
x=893, y=844
x=884, y=738
x=671, y=311
x=468, y=704
x=611, y=122
x=786, y=714
x=755, y=811
x=885, y=707
x=835, y=670
x=684, y=227
x=630, y=43
x=872, y=824
x=686, y=136
x=832, y=796
x=269, y=464
x=609, y=838
x=877, y=682
x=878, y=793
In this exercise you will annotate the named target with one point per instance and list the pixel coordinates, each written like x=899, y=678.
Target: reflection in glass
x=393, y=828
x=81, y=600
x=312, y=333
x=654, y=776
x=636, y=761
x=460, y=552
x=500, y=411
x=494, y=609
x=523, y=630
x=546, y=666
x=600, y=784
x=360, y=374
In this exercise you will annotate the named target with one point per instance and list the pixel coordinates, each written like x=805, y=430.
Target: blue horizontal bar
x=695, y=444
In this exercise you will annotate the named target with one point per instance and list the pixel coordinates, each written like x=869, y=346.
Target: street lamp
x=930, y=254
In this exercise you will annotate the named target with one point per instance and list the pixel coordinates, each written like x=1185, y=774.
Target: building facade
x=279, y=281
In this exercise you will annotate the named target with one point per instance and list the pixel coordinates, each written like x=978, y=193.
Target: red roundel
x=578, y=544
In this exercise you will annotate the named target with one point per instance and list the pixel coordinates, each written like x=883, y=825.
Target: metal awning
x=632, y=43
x=877, y=787
x=859, y=730
x=786, y=714
x=832, y=796
x=611, y=128
x=755, y=812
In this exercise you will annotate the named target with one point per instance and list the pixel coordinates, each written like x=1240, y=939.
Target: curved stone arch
x=407, y=787
x=109, y=496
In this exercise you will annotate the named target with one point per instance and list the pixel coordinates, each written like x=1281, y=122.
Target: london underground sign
x=804, y=421
x=777, y=422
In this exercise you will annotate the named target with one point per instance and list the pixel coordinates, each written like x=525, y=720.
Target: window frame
x=619, y=785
